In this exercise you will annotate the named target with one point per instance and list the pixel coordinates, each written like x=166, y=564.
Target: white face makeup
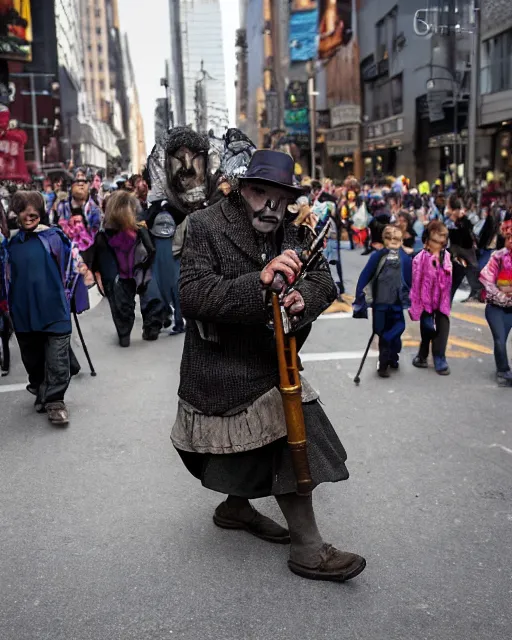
x=266, y=205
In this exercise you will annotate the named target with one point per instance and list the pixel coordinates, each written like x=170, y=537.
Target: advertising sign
x=303, y=35
x=297, y=120
x=335, y=27
x=15, y=30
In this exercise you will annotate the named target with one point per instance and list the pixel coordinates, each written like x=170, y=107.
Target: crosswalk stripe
x=337, y=315
x=467, y=344
x=469, y=317
x=336, y=355
x=5, y=388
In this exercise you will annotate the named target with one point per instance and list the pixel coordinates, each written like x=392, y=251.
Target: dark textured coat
x=220, y=286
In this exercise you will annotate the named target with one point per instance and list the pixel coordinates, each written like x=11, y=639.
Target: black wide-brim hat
x=274, y=168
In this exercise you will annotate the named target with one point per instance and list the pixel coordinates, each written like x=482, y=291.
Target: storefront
x=381, y=147
x=503, y=153
x=343, y=141
x=341, y=145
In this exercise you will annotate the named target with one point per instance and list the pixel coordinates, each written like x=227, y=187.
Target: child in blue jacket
x=384, y=285
x=42, y=283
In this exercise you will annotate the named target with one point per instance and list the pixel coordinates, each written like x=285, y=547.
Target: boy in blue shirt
x=41, y=283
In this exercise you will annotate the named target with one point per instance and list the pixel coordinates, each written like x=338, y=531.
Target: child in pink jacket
x=431, y=297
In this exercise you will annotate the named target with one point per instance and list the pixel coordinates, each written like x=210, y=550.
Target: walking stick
x=84, y=346
x=291, y=393
x=357, y=379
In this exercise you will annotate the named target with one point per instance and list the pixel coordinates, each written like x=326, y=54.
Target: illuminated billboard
x=15, y=30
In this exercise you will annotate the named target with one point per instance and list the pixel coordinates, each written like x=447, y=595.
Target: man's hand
x=288, y=264
x=293, y=303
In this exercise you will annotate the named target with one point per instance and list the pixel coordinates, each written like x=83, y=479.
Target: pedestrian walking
x=122, y=256
x=431, y=295
x=384, y=285
x=5, y=321
x=462, y=249
x=42, y=284
x=496, y=277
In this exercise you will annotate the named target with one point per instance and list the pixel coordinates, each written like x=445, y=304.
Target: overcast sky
x=147, y=26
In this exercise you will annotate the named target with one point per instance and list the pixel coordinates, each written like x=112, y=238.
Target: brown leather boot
x=251, y=521
x=57, y=414
x=334, y=565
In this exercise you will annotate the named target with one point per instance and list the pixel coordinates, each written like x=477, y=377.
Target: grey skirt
x=268, y=470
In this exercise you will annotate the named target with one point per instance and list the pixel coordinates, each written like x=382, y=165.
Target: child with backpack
x=384, y=285
x=42, y=285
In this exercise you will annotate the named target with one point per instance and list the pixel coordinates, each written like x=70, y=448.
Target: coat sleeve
x=359, y=305
x=318, y=291
x=489, y=277
x=206, y=295
x=416, y=308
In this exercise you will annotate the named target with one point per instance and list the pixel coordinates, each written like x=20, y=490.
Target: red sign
x=12, y=151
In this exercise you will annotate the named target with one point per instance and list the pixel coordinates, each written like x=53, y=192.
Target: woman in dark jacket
x=122, y=256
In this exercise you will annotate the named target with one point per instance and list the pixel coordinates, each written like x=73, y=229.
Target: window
x=98, y=31
x=97, y=13
x=397, y=94
x=102, y=85
x=497, y=63
x=382, y=44
x=100, y=49
x=393, y=20
x=100, y=66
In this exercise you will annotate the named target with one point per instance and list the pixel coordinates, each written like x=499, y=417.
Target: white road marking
x=336, y=355
x=95, y=297
x=500, y=446
x=5, y=388
x=338, y=315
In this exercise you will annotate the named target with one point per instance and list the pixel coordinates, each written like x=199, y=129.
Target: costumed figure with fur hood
x=181, y=182
x=384, y=285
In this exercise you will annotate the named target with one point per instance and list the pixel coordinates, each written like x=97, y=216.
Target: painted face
x=506, y=230
x=141, y=189
x=438, y=240
x=187, y=171
x=80, y=189
x=266, y=205
x=351, y=196
x=392, y=237
x=29, y=218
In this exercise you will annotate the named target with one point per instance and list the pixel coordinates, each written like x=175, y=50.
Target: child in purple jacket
x=431, y=297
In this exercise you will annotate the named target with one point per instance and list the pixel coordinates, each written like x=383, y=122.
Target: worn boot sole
x=224, y=523
x=315, y=574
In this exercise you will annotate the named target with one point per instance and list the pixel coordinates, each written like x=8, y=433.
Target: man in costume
x=230, y=429
x=180, y=184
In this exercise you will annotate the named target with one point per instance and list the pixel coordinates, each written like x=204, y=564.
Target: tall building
x=136, y=141
x=97, y=68
x=104, y=77
x=494, y=150
x=203, y=62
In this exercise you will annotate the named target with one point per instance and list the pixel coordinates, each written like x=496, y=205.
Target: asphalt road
x=105, y=536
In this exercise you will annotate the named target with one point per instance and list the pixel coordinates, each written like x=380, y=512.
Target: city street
x=104, y=535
